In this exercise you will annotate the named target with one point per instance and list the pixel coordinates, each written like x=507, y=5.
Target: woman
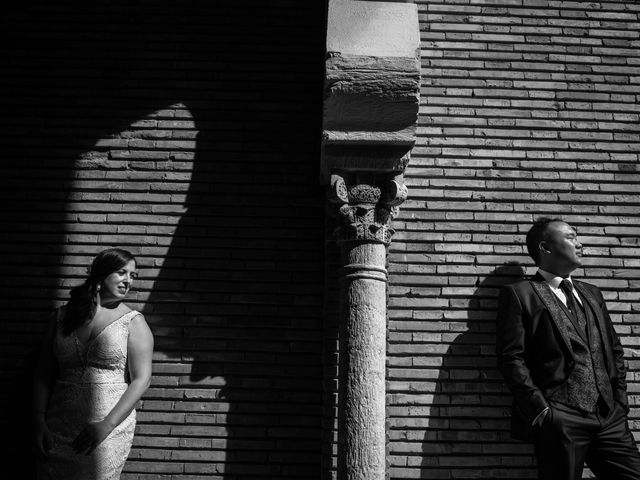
x=94, y=366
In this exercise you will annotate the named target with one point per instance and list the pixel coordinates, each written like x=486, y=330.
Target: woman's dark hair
x=83, y=302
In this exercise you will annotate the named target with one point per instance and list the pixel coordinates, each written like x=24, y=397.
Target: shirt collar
x=551, y=279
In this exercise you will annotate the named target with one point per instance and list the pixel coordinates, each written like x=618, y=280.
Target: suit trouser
x=570, y=438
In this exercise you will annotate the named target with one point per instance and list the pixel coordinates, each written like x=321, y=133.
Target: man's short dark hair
x=538, y=233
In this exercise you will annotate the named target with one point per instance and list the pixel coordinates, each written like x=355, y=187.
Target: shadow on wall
x=236, y=308
x=469, y=431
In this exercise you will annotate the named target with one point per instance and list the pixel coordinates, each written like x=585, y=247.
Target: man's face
x=563, y=250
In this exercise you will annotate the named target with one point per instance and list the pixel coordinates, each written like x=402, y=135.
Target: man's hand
x=542, y=417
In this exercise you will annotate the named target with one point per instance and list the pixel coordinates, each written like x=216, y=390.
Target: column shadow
x=468, y=433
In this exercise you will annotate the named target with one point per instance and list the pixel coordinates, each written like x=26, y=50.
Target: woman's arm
x=139, y=352
x=45, y=375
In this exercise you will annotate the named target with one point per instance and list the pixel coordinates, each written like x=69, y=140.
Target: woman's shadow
x=468, y=431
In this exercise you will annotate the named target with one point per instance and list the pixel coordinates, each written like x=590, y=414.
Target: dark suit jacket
x=534, y=351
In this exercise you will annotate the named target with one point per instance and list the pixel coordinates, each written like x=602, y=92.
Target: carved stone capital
x=372, y=90
x=364, y=205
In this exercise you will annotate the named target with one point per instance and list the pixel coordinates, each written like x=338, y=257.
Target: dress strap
x=131, y=315
x=127, y=317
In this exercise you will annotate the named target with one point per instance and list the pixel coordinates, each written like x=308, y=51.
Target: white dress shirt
x=554, y=283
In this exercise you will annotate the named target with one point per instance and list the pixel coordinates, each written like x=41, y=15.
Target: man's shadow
x=468, y=432
x=237, y=298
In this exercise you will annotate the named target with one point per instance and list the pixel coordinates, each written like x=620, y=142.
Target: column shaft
x=363, y=318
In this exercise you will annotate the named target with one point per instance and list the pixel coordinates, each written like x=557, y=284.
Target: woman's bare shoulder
x=139, y=323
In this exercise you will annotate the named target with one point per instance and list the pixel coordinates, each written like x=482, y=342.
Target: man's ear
x=543, y=247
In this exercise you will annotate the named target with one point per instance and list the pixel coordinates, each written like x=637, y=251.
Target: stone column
x=364, y=205
x=372, y=82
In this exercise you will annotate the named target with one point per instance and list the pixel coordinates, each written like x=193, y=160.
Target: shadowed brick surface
x=188, y=133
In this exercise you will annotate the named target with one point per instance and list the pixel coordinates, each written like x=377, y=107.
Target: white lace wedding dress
x=91, y=380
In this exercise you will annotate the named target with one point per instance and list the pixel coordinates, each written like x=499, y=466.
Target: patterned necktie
x=572, y=303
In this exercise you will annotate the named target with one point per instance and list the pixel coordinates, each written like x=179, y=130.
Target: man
x=563, y=362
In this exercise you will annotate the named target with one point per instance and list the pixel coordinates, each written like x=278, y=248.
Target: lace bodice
x=103, y=359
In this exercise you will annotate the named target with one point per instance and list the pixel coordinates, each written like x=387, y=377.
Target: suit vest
x=589, y=380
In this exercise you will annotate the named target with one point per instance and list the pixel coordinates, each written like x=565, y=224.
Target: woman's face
x=118, y=283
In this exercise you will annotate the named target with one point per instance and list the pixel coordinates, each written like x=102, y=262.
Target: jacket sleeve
x=620, y=382
x=511, y=353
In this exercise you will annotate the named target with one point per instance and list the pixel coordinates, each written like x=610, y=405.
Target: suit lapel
x=558, y=314
x=586, y=295
x=597, y=313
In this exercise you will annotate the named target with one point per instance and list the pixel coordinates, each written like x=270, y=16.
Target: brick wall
x=528, y=108
x=187, y=132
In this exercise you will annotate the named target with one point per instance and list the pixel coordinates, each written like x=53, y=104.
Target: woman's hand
x=90, y=437
x=44, y=439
